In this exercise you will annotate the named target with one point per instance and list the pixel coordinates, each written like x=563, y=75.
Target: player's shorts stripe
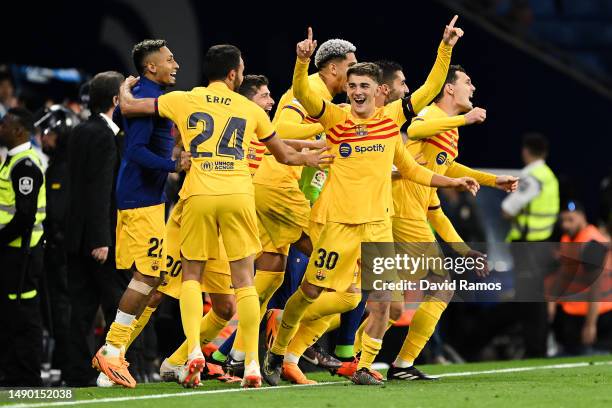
x=334, y=140
x=441, y=146
x=268, y=137
x=295, y=109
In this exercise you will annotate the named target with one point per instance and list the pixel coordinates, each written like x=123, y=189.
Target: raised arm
x=422, y=128
x=435, y=80
x=130, y=106
x=312, y=102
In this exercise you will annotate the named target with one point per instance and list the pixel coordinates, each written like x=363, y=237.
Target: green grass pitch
x=568, y=382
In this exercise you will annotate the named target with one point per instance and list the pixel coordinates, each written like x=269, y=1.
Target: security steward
x=22, y=211
x=533, y=211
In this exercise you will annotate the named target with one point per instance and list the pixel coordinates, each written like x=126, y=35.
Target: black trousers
x=568, y=332
x=20, y=320
x=90, y=285
x=55, y=273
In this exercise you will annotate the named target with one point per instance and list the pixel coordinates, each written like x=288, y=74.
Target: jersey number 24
x=234, y=129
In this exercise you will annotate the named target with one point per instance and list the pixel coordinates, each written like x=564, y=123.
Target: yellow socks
x=359, y=335
x=422, y=327
x=266, y=283
x=210, y=326
x=247, y=305
x=139, y=324
x=370, y=349
x=190, y=301
x=308, y=333
x=294, y=311
x=119, y=333
x=318, y=317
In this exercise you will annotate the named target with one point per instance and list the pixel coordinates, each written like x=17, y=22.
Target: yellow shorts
x=141, y=234
x=419, y=241
x=282, y=215
x=216, y=277
x=205, y=217
x=338, y=251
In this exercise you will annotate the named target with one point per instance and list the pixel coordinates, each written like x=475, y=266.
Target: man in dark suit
x=92, y=277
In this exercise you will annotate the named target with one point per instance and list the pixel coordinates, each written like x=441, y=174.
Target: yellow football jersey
x=271, y=172
x=216, y=124
x=440, y=151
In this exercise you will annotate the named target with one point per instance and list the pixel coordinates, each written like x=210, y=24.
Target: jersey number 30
x=234, y=129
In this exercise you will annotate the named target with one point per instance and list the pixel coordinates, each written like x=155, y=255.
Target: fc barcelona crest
x=361, y=130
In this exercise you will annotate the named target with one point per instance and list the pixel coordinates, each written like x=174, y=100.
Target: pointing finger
x=453, y=21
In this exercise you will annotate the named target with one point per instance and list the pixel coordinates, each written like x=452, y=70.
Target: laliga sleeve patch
x=26, y=185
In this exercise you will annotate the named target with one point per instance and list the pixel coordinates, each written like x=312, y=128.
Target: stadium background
x=544, y=87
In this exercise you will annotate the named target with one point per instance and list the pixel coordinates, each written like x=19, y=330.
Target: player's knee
x=156, y=299
x=396, y=310
x=271, y=262
x=224, y=306
x=311, y=290
x=304, y=244
x=143, y=284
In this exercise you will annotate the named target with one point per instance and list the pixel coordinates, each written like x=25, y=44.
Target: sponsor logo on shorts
x=155, y=265
x=320, y=275
x=441, y=158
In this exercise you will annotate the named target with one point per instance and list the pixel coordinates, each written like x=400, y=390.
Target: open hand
x=316, y=158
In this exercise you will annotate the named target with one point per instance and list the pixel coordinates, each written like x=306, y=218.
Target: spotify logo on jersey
x=441, y=158
x=345, y=149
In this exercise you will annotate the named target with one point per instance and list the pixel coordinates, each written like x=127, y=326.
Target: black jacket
x=93, y=164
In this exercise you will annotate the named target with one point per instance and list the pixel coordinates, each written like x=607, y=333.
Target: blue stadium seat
x=581, y=8
x=543, y=8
